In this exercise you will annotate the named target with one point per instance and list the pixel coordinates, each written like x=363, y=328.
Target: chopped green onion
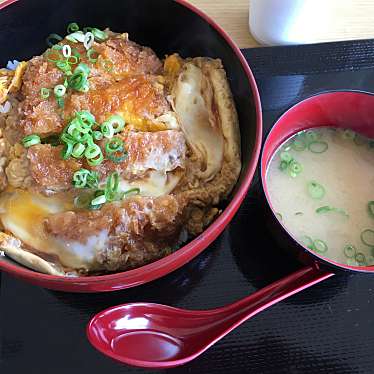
x=60, y=102
x=99, y=35
x=311, y=136
x=360, y=258
x=86, y=117
x=132, y=191
x=350, y=251
x=307, y=241
x=114, y=145
x=320, y=246
x=107, y=65
x=59, y=90
x=88, y=40
x=66, y=51
x=30, y=140
x=286, y=157
x=53, y=39
x=93, y=179
x=77, y=81
x=86, y=87
x=76, y=128
x=326, y=209
x=111, y=187
x=99, y=200
x=73, y=127
x=67, y=151
x=117, y=159
x=117, y=122
x=67, y=138
x=107, y=130
x=92, y=55
x=348, y=134
x=92, y=151
x=341, y=211
x=113, y=181
x=78, y=132
x=84, y=178
x=64, y=67
x=75, y=37
x=367, y=237
x=44, y=93
x=97, y=135
x=76, y=53
x=371, y=208
x=72, y=27
x=72, y=60
x=53, y=56
x=78, y=150
x=82, y=68
x=315, y=190
x=283, y=165
x=86, y=139
x=96, y=161
x=298, y=145
x=318, y=147
x=80, y=178
x=294, y=168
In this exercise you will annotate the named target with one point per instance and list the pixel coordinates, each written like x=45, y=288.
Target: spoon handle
x=246, y=308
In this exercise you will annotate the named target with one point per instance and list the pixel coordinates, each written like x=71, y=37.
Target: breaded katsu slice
x=162, y=151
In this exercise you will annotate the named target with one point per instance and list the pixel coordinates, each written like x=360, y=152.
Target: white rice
x=5, y=108
x=12, y=65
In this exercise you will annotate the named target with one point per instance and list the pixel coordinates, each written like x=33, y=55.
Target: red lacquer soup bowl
x=167, y=26
x=341, y=109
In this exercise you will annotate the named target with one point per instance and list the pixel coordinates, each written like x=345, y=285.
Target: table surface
x=326, y=329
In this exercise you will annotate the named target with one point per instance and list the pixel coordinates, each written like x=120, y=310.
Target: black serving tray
x=326, y=329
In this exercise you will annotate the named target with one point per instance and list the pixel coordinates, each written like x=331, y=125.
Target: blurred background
x=292, y=21
x=252, y=23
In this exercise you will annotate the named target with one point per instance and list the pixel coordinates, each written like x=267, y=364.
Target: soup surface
x=321, y=184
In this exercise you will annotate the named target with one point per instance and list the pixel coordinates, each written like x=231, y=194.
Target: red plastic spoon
x=159, y=336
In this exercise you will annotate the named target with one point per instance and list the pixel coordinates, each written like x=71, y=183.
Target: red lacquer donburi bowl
x=167, y=26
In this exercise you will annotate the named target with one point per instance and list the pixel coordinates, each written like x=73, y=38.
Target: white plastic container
x=277, y=22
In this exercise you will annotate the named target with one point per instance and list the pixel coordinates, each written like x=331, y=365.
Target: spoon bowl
x=159, y=336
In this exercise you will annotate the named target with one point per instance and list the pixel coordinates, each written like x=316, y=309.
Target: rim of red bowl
x=264, y=167
x=172, y=262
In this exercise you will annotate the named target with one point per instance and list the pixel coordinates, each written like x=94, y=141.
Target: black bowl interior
x=164, y=25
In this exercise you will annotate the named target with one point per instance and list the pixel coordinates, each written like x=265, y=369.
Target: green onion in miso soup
x=328, y=175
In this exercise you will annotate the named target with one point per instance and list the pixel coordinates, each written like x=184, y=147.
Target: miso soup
x=321, y=184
